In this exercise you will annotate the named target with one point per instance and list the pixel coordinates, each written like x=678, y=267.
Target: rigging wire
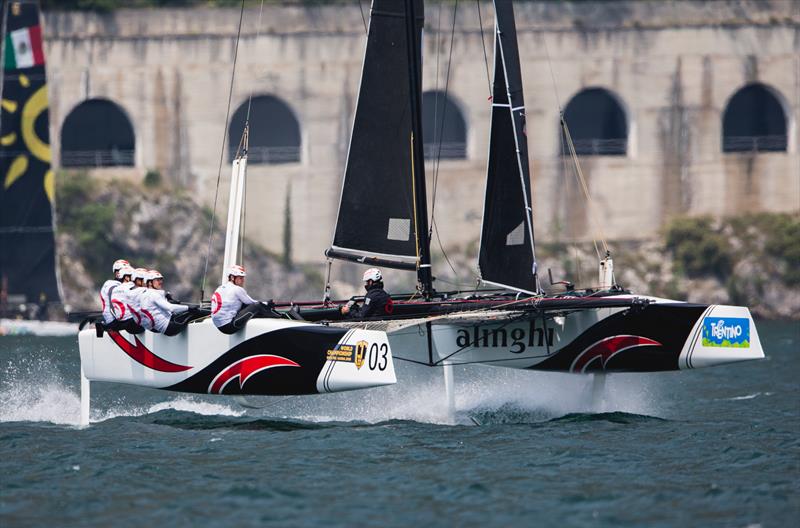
x=363, y=19
x=578, y=171
x=483, y=43
x=437, y=159
x=245, y=146
x=222, y=152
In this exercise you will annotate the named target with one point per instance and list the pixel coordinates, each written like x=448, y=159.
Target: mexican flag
x=24, y=48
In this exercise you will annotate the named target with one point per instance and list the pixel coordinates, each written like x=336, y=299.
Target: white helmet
x=125, y=270
x=237, y=271
x=118, y=265
x=154, y=274
x=372, y=274
x=139, y=273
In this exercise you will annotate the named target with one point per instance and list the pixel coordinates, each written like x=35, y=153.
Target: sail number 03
x=378, y=356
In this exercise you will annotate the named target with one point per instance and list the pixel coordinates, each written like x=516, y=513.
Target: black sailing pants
x=244, y=314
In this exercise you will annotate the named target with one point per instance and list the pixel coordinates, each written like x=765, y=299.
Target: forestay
x=507, y=244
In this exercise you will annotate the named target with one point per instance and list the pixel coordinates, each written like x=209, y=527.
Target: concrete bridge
x=675, y=108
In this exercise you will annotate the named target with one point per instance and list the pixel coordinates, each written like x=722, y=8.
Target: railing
x=97, y=158
x=599, y=147
x=754, y=143
x=273, y=155
x=452, y=150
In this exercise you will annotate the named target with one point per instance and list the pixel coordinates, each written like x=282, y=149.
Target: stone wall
x=672, y=65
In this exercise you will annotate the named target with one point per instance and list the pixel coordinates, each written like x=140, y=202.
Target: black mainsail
x=507, y=256
x=382, y=215
x=27, y=248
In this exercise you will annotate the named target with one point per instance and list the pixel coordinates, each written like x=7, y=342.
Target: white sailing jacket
x=227, y=301
x=119, y=301
x=135, y=306
x=157, y=309
x=105, y=299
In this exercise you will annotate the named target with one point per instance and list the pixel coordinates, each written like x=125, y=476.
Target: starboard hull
x=268, y=357
x=659, y=335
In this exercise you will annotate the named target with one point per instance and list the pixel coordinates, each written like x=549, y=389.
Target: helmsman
x=377, y=302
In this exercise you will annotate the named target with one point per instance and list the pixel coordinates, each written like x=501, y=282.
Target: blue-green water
x=712, y=447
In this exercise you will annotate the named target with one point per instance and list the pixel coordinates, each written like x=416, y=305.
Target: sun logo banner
x=27, y=181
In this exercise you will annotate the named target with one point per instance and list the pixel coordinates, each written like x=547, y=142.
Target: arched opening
x=97, y=133
x=444, y=129
x=597, y=124
x=274, y=131
x=754, y=121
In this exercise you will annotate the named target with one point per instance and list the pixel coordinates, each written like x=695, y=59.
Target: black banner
x=27, y=181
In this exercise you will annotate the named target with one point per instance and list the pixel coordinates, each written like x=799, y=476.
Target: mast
x=417, y=153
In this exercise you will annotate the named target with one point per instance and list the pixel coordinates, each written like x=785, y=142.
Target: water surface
x=711, y=447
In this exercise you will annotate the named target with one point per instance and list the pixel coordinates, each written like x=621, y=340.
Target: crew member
x=133, y=302
x=124, y=316
x=141, y=277
x=108, y=287
x=163, y=316
x=376, y=302
x=105, y=297
x=232, y=307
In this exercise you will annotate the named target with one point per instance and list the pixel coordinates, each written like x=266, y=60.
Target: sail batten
x=376, y=214
x=507, y=254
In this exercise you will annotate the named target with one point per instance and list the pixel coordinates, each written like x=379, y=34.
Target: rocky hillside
x=154, y=227
x=750, y=260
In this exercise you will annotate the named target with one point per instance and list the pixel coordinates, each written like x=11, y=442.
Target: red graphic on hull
x=245, y=368
x=141, y=354
x=607, y=348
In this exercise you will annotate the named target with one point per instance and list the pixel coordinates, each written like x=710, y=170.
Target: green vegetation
x=778, y=236
x=152, y=179
x=287, y=229
x=698, y=248
x=88, y=221
x=702, y=247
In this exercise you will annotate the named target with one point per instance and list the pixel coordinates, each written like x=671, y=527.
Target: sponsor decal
x=607, y=348
x=361, y=351
x=516, y=339
x=728, y=332
x=141, y=354
x=375, y=355
x=216, y=302
x=246, y=368
x=348, y=353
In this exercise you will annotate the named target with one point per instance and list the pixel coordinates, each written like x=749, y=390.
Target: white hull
x=270, y=356
x=664, y=335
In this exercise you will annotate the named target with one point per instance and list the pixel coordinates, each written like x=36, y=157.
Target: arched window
x=754, y=121
x=597, y=124
x=443, y=123
x=97, y=133
x=274, y=131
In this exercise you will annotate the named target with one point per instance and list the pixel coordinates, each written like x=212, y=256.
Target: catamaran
x=516, y=324
x=601, y=329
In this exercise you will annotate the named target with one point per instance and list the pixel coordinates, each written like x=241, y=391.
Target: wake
x=35, y=391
